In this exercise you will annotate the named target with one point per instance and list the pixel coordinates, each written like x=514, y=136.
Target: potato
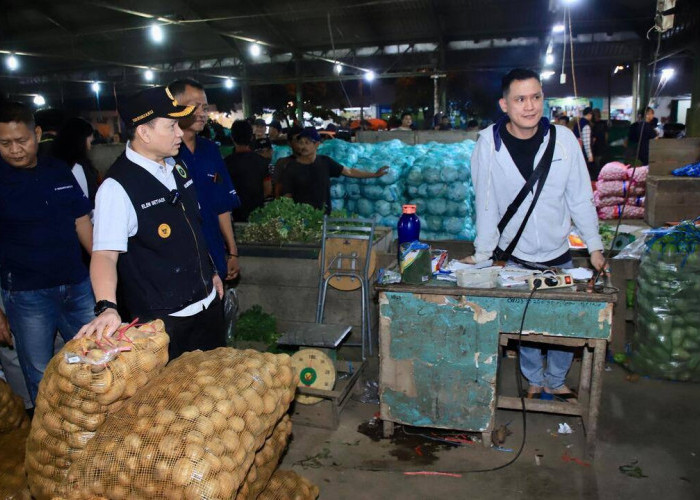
x=183, y=471
x=170, y=445
x=190, y=412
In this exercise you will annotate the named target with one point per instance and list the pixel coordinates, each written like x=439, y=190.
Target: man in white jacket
x=505, y=156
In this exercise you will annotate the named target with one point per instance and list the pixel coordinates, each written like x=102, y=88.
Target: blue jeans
x=533, y=360
x=34, y=317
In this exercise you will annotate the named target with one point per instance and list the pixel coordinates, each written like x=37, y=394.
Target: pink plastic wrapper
x=619, y=188
x=630, y=212
x=609, y=201
x=613, y=171
x=640, y=175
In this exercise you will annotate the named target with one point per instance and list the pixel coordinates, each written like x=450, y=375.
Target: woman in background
x=72, y=144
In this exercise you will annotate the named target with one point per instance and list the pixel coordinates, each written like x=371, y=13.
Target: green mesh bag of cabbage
x=667, y=339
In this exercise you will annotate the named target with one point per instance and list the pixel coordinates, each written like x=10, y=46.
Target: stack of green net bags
x=667, y=341
x=435, y=177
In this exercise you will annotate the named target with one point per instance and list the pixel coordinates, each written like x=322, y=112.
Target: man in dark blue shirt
x=44, y=219
x=215, y=192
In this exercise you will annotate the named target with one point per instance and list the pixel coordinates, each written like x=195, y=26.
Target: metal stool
x=355, y=238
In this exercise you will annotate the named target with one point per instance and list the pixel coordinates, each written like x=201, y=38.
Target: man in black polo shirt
x=148, y=234
x=44, y=219
x=307, y=178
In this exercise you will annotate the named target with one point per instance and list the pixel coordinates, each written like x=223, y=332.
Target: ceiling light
x=549, y=59
x=667, y=73
x=558, y=28
x=148, y=75
x=228, y=83
x=569, y=2
x=338, y=68
x=255, y=50
x=39, y=100
x=369, y=75
x=12, y=62
x=95, y=87
x=156, y=33
x=546, y=75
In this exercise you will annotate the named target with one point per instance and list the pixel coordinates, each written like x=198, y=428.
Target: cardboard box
x=666, y=155
x=670, y=199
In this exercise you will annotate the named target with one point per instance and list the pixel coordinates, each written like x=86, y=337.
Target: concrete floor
x=652, y=422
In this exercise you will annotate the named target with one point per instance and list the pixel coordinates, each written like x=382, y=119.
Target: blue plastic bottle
x=408, y=228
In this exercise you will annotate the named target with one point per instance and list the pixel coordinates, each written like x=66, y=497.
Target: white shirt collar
x=150, y=165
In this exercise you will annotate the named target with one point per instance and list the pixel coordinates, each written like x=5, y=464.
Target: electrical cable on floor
x=519, y=384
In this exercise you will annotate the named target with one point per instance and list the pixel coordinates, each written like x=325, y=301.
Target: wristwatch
x=103, y=305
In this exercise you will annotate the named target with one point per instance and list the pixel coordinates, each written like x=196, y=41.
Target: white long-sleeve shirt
x=566, y=197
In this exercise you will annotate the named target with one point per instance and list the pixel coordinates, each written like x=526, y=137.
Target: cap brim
x=182, y=112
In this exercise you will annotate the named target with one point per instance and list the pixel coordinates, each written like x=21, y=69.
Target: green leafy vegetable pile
x=667, y=341
x=282, y=221
x=258, y=326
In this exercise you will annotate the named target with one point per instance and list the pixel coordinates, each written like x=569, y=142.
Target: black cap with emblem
x=153, y=102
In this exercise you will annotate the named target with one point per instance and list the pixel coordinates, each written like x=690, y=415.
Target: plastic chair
x=346, y=249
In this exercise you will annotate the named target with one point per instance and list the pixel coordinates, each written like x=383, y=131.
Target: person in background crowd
x=148, y=236
x=50, y=120
x=640, y=133
x=307, y=178
x=275, y=134
x=259, y=128
x=44, y=220
x=563, y=120
x=278, y=169
x=444, y=123
x=582, y=131
x=506, y=155
x=406, y=121
x=473, y=129
x=600, y=139
x=71, y=145
x=343, y=131
x=248, y=170
x=263, y=147
x=216, y=194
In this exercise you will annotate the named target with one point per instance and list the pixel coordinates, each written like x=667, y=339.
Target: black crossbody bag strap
x=539, y=174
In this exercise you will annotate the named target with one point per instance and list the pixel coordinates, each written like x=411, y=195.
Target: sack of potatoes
x=82, y=384
x=192, y=432
x=288, y=485
x=12, y=414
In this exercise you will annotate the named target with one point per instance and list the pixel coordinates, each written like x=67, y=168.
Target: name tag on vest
x=188, y=183
x=152, y=203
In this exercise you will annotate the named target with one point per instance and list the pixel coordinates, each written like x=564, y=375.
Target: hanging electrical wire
x=340, y=80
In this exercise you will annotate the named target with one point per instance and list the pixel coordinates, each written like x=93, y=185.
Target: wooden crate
x=666, y=155
x=670, y=198
x=326, y=413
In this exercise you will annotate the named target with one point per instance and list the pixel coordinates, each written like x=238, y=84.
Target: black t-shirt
x=311, y=183
x=645, y=133
x=248, y=171
x=523, y=151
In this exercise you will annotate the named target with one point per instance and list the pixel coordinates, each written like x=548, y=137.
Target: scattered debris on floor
x=568, y=458
x=564, y=428
x=315, y=461
x=632, y=470
x=538, y=459
x=499, y=436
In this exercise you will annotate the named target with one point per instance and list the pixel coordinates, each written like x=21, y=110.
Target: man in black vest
x=148, y=235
